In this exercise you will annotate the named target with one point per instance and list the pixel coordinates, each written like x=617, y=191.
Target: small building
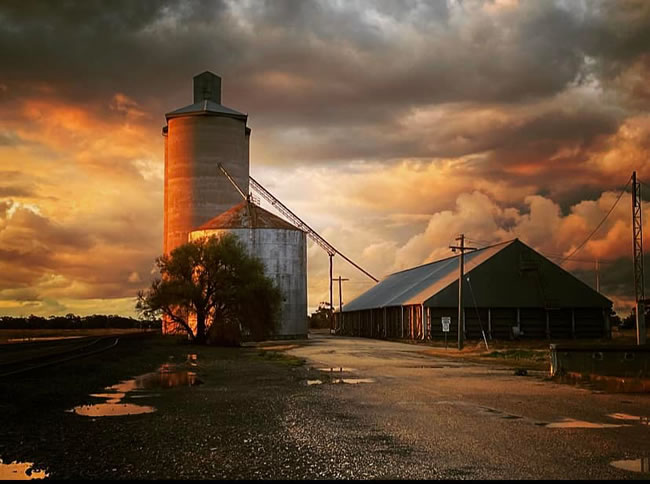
x=509, y=290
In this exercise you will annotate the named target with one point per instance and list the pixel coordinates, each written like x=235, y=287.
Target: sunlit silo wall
x=283, y=250
x=198, y=138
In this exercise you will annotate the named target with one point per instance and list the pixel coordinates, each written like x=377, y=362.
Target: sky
x=389, y=126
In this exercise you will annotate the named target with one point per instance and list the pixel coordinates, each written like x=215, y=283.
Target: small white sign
x=446, y=322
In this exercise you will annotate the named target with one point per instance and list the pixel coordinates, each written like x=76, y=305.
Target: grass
x=518, y=354
x=278, y=357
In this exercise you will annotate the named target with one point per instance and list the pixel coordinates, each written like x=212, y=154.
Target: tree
x=212, y=288
x=321, y=318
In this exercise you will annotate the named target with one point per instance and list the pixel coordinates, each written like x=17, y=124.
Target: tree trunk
x=200, y=328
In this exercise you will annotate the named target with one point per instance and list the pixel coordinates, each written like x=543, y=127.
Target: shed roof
x=415, y=285
x=508, y=274
x=246, y=215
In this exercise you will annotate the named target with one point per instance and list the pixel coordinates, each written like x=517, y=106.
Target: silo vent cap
x=207, y=87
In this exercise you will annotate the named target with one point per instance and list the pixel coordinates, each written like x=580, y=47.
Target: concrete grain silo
x=282, y=248
x=197, y=138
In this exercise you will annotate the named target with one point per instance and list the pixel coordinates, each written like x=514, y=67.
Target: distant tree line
x=72, y=321
x=629, y=321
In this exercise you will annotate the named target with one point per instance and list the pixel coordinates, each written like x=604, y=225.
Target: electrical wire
x=477, y=314
x=599, y=225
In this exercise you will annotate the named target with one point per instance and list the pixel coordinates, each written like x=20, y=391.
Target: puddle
x=631, y=418
x=337, y=369
x=634, y=465
x=353, y=381
x=20, y=471
x=569, y=423
x=314, y=382
x=423, y=367
x=112, y=409
x=499, y=413
x=623, y=416
x=166, y=377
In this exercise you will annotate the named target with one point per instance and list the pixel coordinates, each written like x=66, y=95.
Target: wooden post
x=401, y=325
x=331, y=298
x=490, y=323
x=573, y=323
x=424, y=322
x=464, y=325
x=548, y=325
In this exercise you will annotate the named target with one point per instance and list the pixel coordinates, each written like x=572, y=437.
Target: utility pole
x=597, y=275
x=461, y=271
x=331, y=298
x=637, y=234
x=340, y=279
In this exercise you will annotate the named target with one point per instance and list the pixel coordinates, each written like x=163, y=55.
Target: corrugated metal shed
x=416, y=285
x=509, y=274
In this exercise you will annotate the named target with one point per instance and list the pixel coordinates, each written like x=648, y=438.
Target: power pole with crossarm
x=461, y=270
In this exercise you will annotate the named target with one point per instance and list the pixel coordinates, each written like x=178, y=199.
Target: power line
x=559, y=256
x=600, y=224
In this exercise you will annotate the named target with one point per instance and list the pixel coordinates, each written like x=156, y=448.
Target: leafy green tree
x=322, y=317
x=213, y=290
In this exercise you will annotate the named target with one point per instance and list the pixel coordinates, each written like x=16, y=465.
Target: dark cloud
x=356, y=60
x=533, y=98
x=15, y=191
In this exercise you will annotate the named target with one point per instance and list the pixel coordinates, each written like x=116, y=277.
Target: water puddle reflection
x=114, y=406
x=569, y=423
x=631, y=418
x=20, y=471
x=634, y=465
x=353, y=381
x=348, y=381
x=112, y=409
x=337, y=369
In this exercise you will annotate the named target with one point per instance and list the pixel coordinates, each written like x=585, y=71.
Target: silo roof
x=206, y=108
x=246, y=215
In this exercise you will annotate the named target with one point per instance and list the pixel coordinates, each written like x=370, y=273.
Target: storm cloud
x=374, y=120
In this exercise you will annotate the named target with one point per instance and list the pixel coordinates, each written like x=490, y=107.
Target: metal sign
x=446, y=322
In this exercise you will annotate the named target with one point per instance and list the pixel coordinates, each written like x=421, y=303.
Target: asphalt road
x=454, y=419
x=256, y=414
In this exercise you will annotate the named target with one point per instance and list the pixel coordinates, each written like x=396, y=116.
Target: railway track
x=22, y=358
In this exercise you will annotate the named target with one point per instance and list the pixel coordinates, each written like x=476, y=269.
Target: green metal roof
x=509, y=274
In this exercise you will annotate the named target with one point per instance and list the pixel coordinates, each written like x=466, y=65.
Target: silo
x=197, y=138
x=282, y=248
